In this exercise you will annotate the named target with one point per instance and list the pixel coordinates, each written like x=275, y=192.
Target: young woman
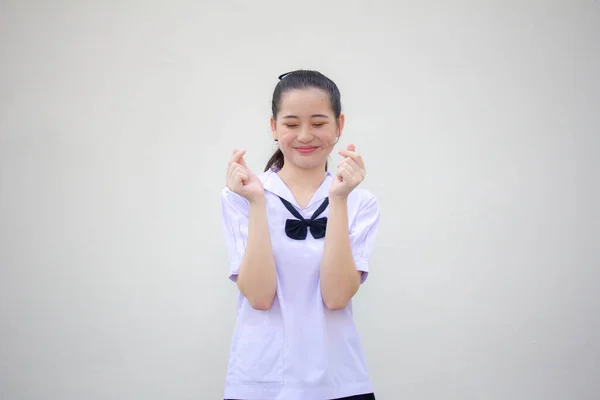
x=299, y=241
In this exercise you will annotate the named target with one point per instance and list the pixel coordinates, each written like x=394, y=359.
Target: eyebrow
x=313, y=116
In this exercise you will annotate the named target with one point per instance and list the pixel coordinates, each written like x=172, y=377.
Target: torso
x=298, y=349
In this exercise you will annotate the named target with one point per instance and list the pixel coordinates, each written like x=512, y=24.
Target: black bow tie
x=297, y=229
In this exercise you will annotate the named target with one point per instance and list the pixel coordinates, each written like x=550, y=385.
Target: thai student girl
x=299, y=239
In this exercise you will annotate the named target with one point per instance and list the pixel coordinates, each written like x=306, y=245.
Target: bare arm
x=257, y=279
x=340, y=279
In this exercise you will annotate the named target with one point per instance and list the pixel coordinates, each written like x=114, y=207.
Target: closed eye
x=291, y=126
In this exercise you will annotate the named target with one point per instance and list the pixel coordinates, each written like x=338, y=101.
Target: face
x=306, y=128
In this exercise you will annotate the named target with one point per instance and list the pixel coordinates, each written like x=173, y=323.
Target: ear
x=341, y=122
x=273, y=128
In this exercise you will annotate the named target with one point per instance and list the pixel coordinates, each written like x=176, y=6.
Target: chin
x=307, y=163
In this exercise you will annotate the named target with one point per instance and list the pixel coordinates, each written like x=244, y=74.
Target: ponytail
x=276, y=161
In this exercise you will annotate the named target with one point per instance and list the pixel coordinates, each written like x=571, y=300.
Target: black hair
x=302, y=79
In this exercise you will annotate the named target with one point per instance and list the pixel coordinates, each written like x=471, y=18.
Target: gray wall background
x=479, y=124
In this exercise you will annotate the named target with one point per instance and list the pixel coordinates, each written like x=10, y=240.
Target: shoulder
x=233, y=203
x=364, y=199
x=365, y=211
x=264, y=176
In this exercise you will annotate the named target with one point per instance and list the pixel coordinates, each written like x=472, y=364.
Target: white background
x=479, y=123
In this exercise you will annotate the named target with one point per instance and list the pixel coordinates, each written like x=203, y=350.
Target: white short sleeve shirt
x=298, y=349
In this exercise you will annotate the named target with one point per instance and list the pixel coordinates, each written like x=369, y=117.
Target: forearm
x=257, y=279
x=340, y=279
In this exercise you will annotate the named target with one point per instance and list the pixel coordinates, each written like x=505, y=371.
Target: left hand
x=350, y=173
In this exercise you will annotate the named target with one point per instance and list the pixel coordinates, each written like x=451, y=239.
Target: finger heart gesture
x=350, y=172
x=241, y=180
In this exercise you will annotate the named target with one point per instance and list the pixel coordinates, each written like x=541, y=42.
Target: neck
x=299, y=177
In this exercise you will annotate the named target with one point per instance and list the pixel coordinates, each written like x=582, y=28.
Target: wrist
x=338, y=200
x=258, y=200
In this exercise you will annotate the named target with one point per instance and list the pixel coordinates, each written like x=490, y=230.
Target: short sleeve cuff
x=362, y=266
x=234, y=270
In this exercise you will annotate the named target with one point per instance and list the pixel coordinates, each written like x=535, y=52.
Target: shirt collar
x=274, y=184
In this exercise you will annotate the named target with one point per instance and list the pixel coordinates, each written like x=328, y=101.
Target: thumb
x=351, y=147
x=242, y=162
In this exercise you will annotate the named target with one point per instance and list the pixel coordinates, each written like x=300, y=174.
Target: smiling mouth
x=305, y=150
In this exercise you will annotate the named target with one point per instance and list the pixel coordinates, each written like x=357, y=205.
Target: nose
x=305, y=135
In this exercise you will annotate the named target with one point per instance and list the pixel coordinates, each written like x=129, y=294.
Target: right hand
x=241, y=180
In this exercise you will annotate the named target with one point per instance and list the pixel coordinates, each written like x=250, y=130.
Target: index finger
x=354, y=156
x=237, y=155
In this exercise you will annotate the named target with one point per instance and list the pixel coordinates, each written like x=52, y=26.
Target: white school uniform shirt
x=298, y=349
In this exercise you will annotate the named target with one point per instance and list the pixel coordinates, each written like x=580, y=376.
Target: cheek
x=285, y=140
x=328, y=136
